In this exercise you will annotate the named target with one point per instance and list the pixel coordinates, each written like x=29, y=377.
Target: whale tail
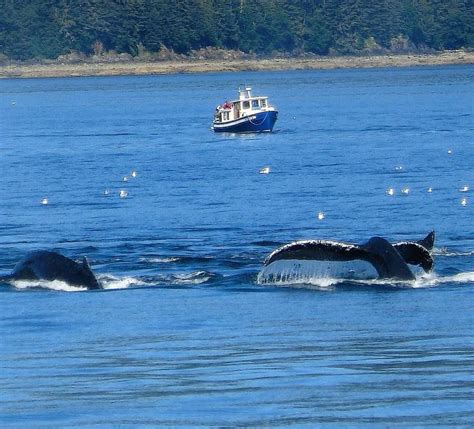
x=388, y=260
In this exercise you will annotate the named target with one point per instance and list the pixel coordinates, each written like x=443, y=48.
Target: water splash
x=158, y=260
x=109, y=282
x=56, y=285
x=194, y=278
x=325, y=273
x=444, y=251
x=313, y=274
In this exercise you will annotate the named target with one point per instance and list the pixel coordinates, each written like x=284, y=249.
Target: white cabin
x=246, y=105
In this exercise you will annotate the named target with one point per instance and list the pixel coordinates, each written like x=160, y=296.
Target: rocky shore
x=203, y=65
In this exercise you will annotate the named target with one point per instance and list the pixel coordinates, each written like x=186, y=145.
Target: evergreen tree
x=31, y=29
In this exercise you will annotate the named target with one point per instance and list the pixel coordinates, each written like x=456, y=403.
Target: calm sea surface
x=183, y=334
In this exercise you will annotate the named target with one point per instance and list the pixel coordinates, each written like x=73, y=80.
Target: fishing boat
x=248, y=114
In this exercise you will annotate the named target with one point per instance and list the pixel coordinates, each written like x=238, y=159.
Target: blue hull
x=256, y=123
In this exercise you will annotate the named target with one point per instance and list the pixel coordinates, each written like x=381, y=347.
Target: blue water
x=183, y=334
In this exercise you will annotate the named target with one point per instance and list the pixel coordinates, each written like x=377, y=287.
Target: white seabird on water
x=464, y=202
x=465, y=188
x=430, y=189
x=133, y=174
x=405, y=191
x=321, y=215
x=45, y=201
x=390, y=191
x=264, y=170
x=123, y=194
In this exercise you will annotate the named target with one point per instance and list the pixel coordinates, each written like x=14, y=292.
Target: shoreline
x=137, y=68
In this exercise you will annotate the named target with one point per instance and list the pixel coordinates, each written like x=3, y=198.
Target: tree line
x=44, y=29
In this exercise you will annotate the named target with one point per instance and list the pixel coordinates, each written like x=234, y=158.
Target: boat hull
x=256, y=123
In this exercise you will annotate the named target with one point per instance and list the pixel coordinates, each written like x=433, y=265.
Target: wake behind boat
x=248, y=114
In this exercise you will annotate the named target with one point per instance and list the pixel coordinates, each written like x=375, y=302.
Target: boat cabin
x=247, y=114
x=246, y=105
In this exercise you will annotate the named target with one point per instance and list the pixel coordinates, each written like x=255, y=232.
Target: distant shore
x=97, y=68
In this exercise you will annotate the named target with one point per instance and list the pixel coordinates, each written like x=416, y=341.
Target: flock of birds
x=123, y=193
x=266, y=170
x=390, y=191
x=405, y=191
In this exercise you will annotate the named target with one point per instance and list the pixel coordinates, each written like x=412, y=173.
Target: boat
x=248, y=114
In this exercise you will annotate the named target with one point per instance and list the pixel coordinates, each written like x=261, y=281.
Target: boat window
x=246, y=104
x=263, y=102
x=255, y=104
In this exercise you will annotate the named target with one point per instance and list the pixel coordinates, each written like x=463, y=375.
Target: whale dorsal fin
x=85, y=264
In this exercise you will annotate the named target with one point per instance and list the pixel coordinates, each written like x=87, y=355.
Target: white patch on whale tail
x=322, y=273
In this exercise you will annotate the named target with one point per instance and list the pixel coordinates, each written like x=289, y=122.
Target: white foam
x=57, y=285
x=111, y=282
x=326, y=274
x=159, y=260
x=443, y=251
x=433, y=280
x=194, y=278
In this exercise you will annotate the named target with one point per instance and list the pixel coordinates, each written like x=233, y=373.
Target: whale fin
x=428, y=241
x=92, y=282
x=85, y=264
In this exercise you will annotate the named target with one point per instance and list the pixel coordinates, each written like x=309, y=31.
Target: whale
x=50, y=266
x=377, y=257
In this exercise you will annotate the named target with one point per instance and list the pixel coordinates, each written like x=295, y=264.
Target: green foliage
x=35, y=29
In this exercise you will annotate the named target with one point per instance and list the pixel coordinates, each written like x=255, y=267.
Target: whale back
x=47, y=265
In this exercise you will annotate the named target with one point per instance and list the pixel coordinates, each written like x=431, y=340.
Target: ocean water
x=183, y=333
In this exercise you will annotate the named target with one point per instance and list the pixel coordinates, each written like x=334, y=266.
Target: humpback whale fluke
x=47, y=265
x=389, y=261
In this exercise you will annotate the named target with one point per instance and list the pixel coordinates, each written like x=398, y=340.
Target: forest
x=47, y=29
